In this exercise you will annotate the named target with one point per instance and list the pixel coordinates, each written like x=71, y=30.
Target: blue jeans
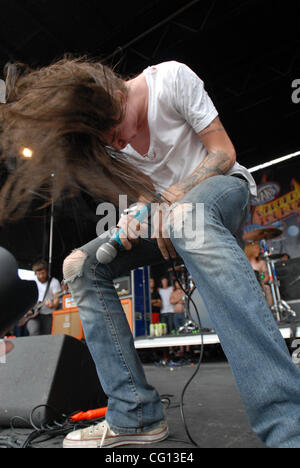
x=168, y=319
x=179, y=319
x=268, y=380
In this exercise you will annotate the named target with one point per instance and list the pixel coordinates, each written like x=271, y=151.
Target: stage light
x=274, y=161
x=27, y=153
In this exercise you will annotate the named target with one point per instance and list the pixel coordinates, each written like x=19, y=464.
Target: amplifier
x=295, y=305
x=67, y=322
x=288, y=272
x=127, y=307
x=68, y=302
x=123, y=286
x=135, y=297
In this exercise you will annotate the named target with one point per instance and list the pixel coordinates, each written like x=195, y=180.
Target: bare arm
x=176, y=297
x=156, y=302
x=264, y=270
x=220, y=158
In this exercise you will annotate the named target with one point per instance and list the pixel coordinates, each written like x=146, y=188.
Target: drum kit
x=196, y=315
x=280, y=308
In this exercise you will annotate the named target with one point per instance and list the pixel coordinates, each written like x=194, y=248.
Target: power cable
x=190, y=300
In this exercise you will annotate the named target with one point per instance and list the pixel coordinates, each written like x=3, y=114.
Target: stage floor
x=214, y=413
x=289, y=330
x=213, y=409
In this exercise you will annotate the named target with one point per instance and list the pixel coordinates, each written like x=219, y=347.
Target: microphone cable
x=190, y=300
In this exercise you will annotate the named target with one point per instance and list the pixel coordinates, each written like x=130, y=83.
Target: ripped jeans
x=268, y=380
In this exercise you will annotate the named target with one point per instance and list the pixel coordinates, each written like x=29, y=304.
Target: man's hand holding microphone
x=135, y=225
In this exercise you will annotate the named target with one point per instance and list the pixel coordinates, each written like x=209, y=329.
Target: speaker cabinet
x=53, y=370
x=288, y=273
x=127, y=307
x=67, y=322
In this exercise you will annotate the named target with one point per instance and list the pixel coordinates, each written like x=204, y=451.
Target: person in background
x=252, y=251
x=40, y=319
x=167, y=310
x=156, y=302
x=285, y=257
x=20, y=329
x=177, y=300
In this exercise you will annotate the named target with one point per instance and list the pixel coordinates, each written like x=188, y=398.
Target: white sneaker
x=101, y=436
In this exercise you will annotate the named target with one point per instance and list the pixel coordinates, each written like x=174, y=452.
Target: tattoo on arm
x=214, y=127
x=216, y=163
x=213, y=130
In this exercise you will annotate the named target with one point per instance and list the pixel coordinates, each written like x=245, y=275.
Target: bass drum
x=202, y=311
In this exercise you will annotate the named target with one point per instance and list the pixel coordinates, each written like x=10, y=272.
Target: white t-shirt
x=165, y=299
x=178, y=109
x=54, y=288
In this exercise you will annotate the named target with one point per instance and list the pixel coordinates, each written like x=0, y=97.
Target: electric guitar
x=33, y=313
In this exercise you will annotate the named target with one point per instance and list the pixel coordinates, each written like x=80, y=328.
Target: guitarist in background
x=40, y=318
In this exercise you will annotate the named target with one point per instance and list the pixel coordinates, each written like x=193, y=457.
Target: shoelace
x=104, y=434
x=101, y=426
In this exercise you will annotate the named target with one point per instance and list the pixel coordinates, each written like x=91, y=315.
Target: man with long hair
x=156, y=133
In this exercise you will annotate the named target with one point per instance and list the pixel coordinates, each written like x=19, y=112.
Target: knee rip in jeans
x=72, y=267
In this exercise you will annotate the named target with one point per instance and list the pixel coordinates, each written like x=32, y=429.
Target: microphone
x=108, y=251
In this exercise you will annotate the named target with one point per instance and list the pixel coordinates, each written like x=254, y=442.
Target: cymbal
x=271, y=257
x=260, y=234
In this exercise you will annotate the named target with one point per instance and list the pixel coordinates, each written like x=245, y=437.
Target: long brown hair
x=12, y=73
x=60, y=112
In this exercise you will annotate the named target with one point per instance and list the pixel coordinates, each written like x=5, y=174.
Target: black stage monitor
x=288, y=272
x=16, y=296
